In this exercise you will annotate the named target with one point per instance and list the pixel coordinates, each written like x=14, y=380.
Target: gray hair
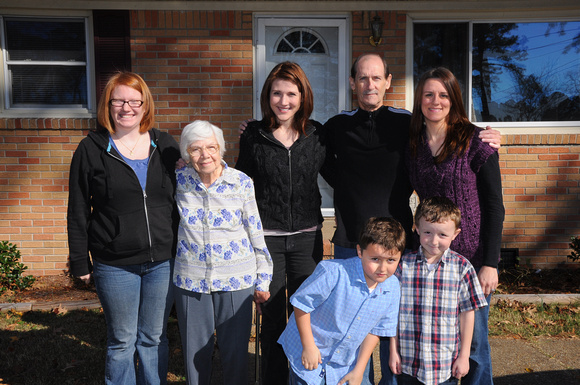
x=199, y=130
x=354, y=68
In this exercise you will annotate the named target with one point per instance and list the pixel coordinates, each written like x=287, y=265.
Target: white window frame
x=7, y=111
x=551, y=127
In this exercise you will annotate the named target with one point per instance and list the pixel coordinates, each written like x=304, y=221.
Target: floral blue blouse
x=221, y=243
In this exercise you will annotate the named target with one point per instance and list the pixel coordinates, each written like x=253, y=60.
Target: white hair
x=199, y=130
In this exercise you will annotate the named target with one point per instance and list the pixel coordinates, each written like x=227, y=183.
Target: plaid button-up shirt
x=431, y=300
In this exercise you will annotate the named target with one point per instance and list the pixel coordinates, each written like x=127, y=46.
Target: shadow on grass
x=560, y=377
x=44, y=348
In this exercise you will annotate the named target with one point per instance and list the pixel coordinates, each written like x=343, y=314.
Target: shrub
x=575, y=246
x=11, y=269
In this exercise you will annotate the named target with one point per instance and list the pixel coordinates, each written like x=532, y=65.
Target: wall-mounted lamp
x=377, y=31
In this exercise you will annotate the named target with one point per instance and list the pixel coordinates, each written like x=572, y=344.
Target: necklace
x=127, y=147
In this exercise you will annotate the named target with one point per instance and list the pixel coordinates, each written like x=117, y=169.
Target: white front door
x=321, y=47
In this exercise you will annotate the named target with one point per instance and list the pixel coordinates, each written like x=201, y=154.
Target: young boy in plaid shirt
x=439, y=294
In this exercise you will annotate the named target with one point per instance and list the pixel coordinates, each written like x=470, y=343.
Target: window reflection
x=526, y=72
x=521, y=72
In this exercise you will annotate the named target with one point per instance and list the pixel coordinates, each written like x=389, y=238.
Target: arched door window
x=301, y=40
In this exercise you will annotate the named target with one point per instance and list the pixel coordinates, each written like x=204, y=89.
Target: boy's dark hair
x=437, y=209
x=383, y=231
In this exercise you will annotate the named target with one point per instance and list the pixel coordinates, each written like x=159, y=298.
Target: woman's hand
x=260, y=297
x=85, y=278
x=488, y=279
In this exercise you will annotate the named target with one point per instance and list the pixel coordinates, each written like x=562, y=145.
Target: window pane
x=294, y=39
x=302, y=42
x=442, y=45
x=526, y=72
x=56, y=85
x=45, y=40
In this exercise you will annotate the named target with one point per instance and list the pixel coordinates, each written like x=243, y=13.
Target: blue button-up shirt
x=343, y=311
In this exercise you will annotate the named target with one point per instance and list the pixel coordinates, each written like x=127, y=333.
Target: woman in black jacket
x=122, y=216
x=284, y=153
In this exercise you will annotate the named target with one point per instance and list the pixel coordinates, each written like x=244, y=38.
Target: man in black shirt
x=366, y=149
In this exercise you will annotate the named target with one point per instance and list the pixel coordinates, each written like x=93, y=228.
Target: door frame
x=341, y=21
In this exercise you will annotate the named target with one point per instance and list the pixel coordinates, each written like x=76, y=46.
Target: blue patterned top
x=220, y=239
x=343, y=311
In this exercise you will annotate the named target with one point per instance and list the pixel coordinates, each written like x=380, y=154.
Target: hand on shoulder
x=491, y=136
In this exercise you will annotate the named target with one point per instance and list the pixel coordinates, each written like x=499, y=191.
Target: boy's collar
x=444, y=258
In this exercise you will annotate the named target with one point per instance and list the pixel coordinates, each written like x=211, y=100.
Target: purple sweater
x=456, y=179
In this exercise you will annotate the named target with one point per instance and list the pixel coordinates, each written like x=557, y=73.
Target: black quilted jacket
x=285, y=179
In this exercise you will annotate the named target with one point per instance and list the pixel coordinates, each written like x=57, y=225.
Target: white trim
x=409, y=89
x=328, y=212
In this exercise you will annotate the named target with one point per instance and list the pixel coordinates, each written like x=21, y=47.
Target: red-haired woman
x=122, y=211
x=284, y=153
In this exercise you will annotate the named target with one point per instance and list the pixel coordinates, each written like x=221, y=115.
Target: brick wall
x=540, y=175
x=392, y=47
x=199, y=66
x=35, y=156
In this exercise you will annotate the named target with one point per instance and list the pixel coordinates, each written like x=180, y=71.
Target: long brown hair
x=136, y=82
x=459, y=128
x=293, y=73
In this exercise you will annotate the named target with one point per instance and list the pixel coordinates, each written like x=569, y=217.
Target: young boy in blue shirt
x=439, y=294
x=342, y=309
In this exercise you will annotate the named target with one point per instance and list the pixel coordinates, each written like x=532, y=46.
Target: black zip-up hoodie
x=285, y=179
x=110, y=215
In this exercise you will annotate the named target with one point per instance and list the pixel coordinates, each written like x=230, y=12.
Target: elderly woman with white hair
x=222, y=260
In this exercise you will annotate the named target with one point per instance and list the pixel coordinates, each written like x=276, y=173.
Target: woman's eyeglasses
x=197, y=151
x=121, y=103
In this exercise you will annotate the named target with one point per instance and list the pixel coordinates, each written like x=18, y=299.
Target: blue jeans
x=405, y=379
x=480, y=372
x=387, y=377
x=136, y=300
x=294, y=257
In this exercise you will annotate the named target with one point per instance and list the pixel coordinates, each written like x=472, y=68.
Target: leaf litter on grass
x=512, y=318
